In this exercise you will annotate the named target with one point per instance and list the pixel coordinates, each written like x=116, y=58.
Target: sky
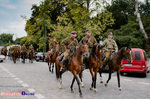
x=10, y=16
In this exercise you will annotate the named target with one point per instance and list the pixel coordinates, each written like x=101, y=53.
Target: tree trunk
x=140, y=22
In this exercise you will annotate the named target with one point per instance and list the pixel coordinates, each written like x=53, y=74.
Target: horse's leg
x=52, y=67
x=78, y=82
x=95, y=80
x=72, y=85
x=80, y=75
x=92, y=85
x=100, y=72
x=118, y=77
x=110, y=71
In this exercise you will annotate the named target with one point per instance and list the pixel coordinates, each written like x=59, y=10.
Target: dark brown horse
x=95, y=61
x=15, y=55
x=115, y=63
x=23, y=55
x=31, y=55
x=74, y=66
x=52, y=59
x=4, y=52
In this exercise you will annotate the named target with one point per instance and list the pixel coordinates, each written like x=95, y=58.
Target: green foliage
x=128, y=34
x=8, y=44
x=5, y=38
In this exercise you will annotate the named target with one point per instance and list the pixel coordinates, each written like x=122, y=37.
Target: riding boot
x=64, y=64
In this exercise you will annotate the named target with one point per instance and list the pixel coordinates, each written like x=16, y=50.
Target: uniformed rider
x=52, y=46
x=66, y=44
x=91, y=41
x=109, y=46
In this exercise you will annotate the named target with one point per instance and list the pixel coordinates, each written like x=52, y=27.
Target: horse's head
x=57, y=47
x=99, y=50
x=127, y=53
x=84, y=49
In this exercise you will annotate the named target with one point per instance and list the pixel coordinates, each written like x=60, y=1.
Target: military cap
x=88, y=30
x=74, y=32
x=110, y=33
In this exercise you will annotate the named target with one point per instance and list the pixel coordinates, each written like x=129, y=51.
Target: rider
x=3, y=49
x=91, y=41
x=109, y=46
x=66, y=44
x=31, y=47
x=23, y=48
x=52, y=46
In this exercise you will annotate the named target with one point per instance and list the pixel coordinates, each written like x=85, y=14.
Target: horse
x=15, y=55
x=115, y=63
x=95, y=61
x=52, y=59
x=31, y=55
x=74, y=66
x=4, y=53
x=23, y=55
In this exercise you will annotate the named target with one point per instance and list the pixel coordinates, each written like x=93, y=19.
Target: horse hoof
x=72, y=91
x=81, y=95
x=95, y=90
x=120, y=89
x=101, y=81
x=83, y=86
x=106, y=85
x=60, y=87
x=91, y=88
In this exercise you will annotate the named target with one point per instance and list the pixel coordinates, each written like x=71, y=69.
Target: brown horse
x=52, y=59
x=115, y=64
x=15, y=55
x=23, y=55
x=95, y=61
x=4, y=52
x=31, y=55
x=74, y=66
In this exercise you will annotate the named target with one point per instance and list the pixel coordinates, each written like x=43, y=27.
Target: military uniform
x=109, y=45
x=31, y=47
x=23, y=48
x=66, y=43
x=91, y=40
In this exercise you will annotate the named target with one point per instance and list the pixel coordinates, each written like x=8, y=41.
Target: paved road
x=36, y=80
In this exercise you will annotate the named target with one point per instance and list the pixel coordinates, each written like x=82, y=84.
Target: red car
x=140, y=63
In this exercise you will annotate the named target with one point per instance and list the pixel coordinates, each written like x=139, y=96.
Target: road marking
x=39, y=96
x=31, y=90
x=20, y=81
x=25, y=85
x=144, y=83
x=16, y=78
x=127, y=79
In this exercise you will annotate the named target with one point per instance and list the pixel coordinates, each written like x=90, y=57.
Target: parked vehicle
x=40, y=56
x=140, y=63
x=2, y=58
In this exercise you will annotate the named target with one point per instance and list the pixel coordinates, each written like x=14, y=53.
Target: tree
x=6, y=38
x=140, y=22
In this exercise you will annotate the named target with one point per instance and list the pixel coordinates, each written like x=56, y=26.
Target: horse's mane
x=93, y=51
x=121, y=49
